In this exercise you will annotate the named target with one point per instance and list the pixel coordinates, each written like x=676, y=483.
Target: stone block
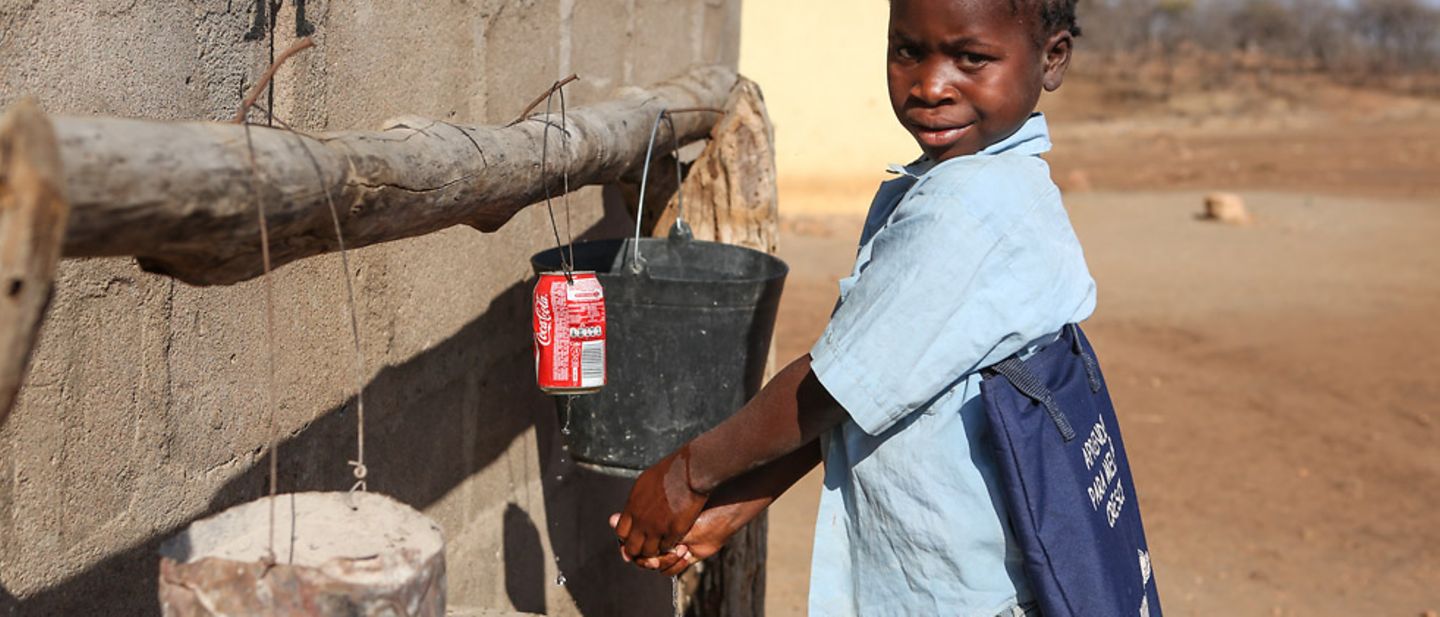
x=307, y=555
x=1227, y=208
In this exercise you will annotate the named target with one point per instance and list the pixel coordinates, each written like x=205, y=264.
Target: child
x=966, y=259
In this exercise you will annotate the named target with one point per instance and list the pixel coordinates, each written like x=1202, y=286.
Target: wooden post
x=730, y=191
x=313, y=555
x=180, y=196
x=730, y=197
x=32, y=225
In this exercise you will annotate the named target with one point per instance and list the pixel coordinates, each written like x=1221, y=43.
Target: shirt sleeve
x=947, y=291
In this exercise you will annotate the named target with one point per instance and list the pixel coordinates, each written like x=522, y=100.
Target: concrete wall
x=822, y=63
x=827, y=95
x=144, y=408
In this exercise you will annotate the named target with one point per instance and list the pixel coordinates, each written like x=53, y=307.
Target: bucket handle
x=681, y=229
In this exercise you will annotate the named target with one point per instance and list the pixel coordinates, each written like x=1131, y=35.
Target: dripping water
x=569, y=400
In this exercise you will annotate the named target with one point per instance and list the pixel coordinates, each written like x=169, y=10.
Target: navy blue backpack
x=1067, y=483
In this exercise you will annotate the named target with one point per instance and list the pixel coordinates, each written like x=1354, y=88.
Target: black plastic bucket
x=687, y=338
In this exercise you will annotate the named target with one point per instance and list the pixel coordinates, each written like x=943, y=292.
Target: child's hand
x=661, y=508
x=709, y=534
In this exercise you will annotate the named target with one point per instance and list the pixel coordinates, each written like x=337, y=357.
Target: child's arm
x=790, y=412
x=731, y=507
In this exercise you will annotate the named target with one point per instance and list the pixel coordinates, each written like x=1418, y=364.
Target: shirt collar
x=1032, y=139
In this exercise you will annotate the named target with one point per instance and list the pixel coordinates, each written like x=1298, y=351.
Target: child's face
x=965, y=74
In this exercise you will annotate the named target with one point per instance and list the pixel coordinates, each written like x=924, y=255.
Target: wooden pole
x=730, y=196
x=177, y=195
x=32, y=225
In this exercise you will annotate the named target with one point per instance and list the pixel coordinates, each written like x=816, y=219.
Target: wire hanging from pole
x=567, y=265
x=361, y=471
x=269, y=331
x=565, y=173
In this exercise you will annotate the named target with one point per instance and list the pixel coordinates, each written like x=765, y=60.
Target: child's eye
x=905, y=52
x=971, y=62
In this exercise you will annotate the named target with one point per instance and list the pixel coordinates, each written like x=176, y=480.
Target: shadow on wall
x=450, y=412
x=524, y=577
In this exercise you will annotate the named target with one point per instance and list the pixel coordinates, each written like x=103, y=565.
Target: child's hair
x=1055, y=15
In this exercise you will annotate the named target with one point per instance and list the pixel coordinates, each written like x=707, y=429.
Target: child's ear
x=1057, y=58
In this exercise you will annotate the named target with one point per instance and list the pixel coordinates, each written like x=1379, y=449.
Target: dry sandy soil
x=1277, y=383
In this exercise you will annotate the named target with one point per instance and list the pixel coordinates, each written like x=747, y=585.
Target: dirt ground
x=1276, y=383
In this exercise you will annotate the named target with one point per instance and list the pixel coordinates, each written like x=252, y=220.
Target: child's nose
x=935, y=84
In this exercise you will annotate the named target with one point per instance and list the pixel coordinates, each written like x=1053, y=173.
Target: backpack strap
x=1030, y=384
x=1092, y=370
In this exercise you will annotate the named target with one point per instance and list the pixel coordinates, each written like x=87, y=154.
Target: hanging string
x=269, y=329
x=565, y=173
x=266, y=83
x=269, y=292
x=360, y=470
x=566, y=266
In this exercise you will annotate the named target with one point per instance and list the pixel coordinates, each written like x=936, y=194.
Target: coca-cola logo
x=542, y=320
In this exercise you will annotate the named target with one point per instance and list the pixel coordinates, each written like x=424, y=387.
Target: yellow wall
x=821, y=64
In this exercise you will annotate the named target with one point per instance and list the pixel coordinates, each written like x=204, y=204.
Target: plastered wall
x=825, y=89
x=145, y=404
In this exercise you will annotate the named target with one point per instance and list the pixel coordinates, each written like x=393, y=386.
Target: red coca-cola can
x=569, y=325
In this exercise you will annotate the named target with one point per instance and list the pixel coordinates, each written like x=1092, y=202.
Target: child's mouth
x=939, y=137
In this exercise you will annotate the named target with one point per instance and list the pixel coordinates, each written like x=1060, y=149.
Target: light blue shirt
x=961, y=264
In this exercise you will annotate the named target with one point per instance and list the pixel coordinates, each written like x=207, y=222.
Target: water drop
x=569, y=400
x=559, y=580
